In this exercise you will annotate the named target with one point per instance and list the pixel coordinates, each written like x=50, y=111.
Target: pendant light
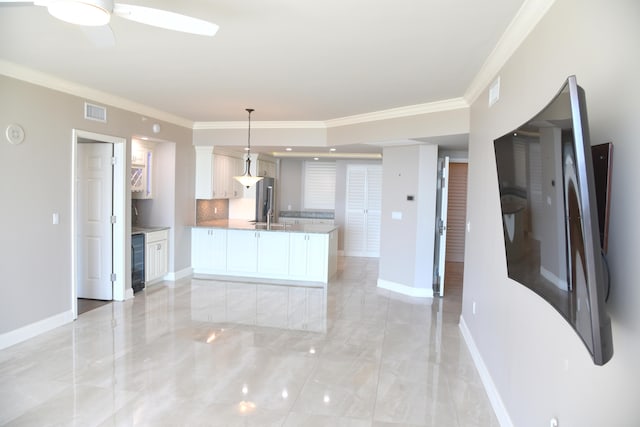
x=246, y=179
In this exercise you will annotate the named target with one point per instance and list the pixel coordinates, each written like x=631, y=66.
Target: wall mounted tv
x=549, y=216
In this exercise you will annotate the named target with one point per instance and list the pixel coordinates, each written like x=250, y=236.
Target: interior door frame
x=119, y=204
x=442, y=204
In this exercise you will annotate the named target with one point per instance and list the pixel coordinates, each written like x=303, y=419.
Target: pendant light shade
x=246, y=179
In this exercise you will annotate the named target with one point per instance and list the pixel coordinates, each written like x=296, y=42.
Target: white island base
x=301, y=254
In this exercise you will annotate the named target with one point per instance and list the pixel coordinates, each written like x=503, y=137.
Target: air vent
x=95, y=112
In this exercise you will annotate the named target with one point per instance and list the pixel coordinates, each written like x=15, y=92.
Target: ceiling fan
x=99, y=12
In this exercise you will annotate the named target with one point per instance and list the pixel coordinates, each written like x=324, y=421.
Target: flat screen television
x=550, y=219
x=601, y=154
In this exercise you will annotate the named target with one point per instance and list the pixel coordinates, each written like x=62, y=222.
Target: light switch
x=396, y=215
x=55, y=218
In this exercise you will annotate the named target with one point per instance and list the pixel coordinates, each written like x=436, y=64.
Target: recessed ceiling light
x=332, y=149
x=288, y=149
x=316, y=158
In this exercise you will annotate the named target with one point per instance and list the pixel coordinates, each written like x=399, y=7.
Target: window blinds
x=319, y=185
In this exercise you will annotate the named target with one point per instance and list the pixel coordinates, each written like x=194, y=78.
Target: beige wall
x=406, y=244
x=35, y=256
x=538, y=364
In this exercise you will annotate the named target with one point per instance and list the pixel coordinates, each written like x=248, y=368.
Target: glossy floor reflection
x=210, y=353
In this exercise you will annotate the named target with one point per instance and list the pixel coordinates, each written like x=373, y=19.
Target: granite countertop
x=307, y=214
x=240, y=224
x=142, y=229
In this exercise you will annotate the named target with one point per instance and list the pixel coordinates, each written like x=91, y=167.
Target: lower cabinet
x=264, y=254
x=308, y=256
x=242, y=251
x=156, y=255
x=273, y=254
x=258, y=252
x=209, y=249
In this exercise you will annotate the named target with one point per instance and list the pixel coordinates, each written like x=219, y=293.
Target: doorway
x=98, y=219
x=456, y=224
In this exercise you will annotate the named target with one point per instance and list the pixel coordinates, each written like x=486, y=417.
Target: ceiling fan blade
x=165, y=19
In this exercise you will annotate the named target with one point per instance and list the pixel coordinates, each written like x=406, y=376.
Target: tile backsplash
x=207, y=210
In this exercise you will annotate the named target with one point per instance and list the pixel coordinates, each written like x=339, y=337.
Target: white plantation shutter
x=456, y=212
x=363, y=210
x=319, y=185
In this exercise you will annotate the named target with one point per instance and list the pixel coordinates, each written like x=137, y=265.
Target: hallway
x=214, y=353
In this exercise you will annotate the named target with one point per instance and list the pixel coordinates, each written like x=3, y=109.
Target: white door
x=363, y=210
x=94, y=212
x=441, y=223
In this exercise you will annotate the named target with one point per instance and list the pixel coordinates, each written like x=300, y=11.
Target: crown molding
x=528, y=16
x=324, y=155
x=260, y=125
x=393, y=113
x=400, y=112
x=29, y=75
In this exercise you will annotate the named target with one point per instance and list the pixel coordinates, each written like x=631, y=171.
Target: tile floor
x=207, y=353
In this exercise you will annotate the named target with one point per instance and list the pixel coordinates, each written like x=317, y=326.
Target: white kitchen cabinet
x=204, y=172
x=278, y=255
x=214, y=175
x=308, y=256
x=209, y=250
x=266, y=168
x=156, y=255
x=221, y=177
x=236, y=167
x=141, y=170
x=266, y=253
x=363, y=210
x=273, y=253
x=242, y=251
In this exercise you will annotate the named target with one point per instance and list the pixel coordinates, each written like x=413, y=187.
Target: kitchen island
x=297, y=253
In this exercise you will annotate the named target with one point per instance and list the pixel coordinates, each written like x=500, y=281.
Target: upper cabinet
x=141, y=170
x=214, y=175
x=266, y=168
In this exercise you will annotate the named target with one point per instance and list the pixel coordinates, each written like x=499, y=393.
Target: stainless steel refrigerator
x=265, y=196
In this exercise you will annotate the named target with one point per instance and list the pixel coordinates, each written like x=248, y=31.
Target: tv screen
x=549, y=216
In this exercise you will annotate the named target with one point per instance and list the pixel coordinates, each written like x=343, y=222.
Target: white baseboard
x=29, y=331
x=405, y=290
x=489, y=386
x=177, y=275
